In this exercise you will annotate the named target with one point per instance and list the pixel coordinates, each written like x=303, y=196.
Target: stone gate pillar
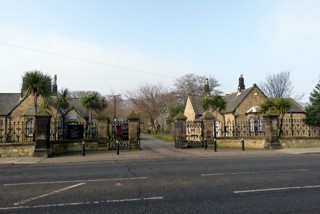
x=180, y=131
x=208, y=120
x=42, y=133
x=271, y=131
x=103, y=129
x=133, y=125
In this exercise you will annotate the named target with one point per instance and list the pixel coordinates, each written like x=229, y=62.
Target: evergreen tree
x=94, y=102
x=174, y=110
x=214, y=103
x=313, y=110
x=37, y=84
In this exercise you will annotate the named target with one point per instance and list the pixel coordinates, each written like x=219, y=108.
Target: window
x=260, y=125
x=251, y=122
x=29, y=128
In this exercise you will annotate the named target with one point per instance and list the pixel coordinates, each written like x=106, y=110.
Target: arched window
x=217, y=127
x=260, y=125
x=29, y=128
x=251, y=123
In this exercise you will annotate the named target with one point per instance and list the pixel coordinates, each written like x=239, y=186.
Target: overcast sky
x=111, y=46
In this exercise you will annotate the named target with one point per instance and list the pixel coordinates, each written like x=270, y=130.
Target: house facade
x=242, y=110
x=17, y=115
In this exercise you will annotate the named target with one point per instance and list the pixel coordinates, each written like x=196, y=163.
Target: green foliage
x=164, y=136
x=37, y=84
x=94, y=101
x=174, y=111
x=62, y=101
x=276, y=105
x=214, y=103
x=313, y=110
x=268, y=106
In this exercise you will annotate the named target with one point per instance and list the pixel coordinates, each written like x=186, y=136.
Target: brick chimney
x=241, y=86
x=206, y=87
x=55, y=86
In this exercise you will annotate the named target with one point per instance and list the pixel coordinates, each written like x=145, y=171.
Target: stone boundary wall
x=16, y=149
x=59, y=147
x=252, y=143
x=299, y=142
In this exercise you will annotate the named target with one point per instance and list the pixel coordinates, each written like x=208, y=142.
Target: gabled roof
x=235, y=99
x=8, y=101
x=296, y=107
x=232, y=100
x=30, y=111
x=75, y=103
x=196, y=104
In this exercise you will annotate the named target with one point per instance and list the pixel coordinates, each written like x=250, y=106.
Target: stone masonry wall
x=16, y=150
x=299, y=142
x=189, y=111
x=255, y=98
x=257, y=143
x=71, y=146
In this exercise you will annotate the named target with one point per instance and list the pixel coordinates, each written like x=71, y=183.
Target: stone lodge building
x=242, y=105
x=17, y=110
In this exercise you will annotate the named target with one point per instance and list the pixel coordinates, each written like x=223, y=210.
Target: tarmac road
x=151, y=149
x=242, y=184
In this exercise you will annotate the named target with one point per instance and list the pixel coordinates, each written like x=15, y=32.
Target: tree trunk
x=35, y=101
x=280, y=125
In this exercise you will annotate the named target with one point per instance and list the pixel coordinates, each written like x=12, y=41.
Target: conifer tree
x=313, y=110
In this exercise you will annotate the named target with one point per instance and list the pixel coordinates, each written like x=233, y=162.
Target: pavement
x=154, y=149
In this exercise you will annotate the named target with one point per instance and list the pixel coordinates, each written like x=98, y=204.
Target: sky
x=114, y=46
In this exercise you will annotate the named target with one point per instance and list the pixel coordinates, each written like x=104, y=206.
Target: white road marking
x=47, y=194
x=83, y=203
x=276, y=189
x=254, y=172
x=76, y=181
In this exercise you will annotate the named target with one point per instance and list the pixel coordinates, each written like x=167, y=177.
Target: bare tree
x=152, y=101
x=194, y=84
x=79, y=94
x=278, y=85
x=118, y=107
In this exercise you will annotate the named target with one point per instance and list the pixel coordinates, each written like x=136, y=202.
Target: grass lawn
x=165, y=136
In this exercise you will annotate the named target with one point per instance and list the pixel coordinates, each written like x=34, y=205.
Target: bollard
x=83, y=148
x=118, y=148
x=242, y=142
x=215, y=145
x=205, y=144
x=139, y=144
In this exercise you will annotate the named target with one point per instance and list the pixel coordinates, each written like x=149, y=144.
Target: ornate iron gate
x=194, y=134
x=119, y=135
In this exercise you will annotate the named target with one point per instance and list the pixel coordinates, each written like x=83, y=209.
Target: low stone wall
x=254, y=143
x=16, y=149
x=59, y=147
x=299, y=142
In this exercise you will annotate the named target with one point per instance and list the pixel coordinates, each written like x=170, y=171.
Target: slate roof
x=8, y=101
x=196, y=103
x=75, y=103
x=235, y=99
x=296, y=107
